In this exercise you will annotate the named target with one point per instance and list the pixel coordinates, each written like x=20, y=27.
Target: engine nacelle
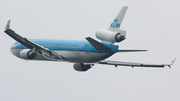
x=81, y=67
x=27, y=54
x=110, y=36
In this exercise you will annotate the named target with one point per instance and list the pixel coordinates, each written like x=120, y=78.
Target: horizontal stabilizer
x=131, y=50
x=97, y=45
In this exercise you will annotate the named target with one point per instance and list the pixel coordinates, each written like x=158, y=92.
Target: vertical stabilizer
x=115, y=25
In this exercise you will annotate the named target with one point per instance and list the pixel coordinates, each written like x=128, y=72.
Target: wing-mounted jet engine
x=113, y=33
x=27, y=54
x=81, y=67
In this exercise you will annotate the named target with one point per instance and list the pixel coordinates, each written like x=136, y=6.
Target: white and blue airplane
x=83, y=54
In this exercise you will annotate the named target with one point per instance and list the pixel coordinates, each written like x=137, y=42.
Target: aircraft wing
x=36, y=48
x=131, y=50
x=132, y=64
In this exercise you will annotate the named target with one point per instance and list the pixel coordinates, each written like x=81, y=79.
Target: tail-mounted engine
x=110, y=36
x=81, y=67
x=27, y=54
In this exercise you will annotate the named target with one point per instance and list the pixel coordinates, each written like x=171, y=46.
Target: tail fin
x=115, y=25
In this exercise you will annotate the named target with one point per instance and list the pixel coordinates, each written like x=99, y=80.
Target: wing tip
x=8, y=25
x=125, y=6
x=173, y=61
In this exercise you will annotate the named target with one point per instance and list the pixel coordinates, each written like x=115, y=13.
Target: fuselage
x=71, y=50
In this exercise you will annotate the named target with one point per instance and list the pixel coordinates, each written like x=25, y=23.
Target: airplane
x=84, y=54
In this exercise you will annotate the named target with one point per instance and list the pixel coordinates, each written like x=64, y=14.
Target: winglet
x=8, y=24
x=172, y=62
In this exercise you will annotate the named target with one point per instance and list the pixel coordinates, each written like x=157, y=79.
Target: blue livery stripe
x=67, y=45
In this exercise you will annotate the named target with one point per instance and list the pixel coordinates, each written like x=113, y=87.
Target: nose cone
x=15, y=51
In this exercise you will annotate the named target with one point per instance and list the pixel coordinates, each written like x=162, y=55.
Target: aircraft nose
x=15, y=52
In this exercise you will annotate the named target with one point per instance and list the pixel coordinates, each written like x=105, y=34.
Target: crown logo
x=116, y=20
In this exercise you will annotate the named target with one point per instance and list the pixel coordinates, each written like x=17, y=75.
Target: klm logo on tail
x=115, y=24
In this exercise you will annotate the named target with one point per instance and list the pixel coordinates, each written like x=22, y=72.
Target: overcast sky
x=150, y=24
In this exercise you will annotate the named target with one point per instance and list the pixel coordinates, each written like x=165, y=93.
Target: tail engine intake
x=110, y=36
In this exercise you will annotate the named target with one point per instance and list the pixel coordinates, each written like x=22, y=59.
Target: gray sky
x=150, y=24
